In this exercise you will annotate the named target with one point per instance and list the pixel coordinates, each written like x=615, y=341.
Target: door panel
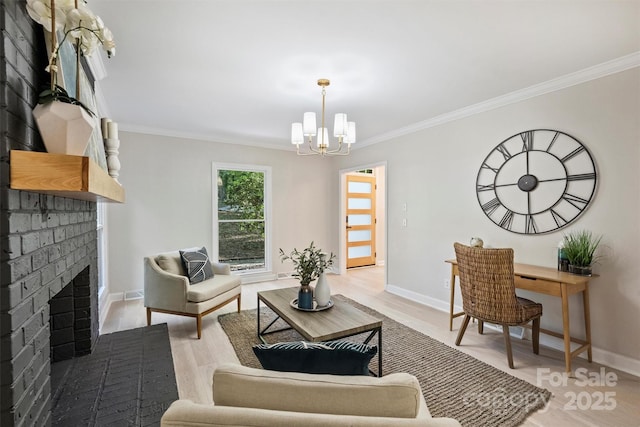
x=361, y=221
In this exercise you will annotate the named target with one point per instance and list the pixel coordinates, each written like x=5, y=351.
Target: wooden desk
x=548, y=281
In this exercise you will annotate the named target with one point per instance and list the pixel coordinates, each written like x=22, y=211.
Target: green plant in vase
x=580, y=248
x=308, y=264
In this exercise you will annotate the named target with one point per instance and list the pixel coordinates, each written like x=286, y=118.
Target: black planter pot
x=581, y=271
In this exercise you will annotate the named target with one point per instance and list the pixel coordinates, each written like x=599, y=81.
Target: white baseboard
x=136, y=294
x=105, y=305
x=258, y=277
x=419, y=298
x=605, y=357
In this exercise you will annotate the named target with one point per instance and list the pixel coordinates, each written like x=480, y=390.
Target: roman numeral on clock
x=530, y=225
x=560, y=221
x=503, y=150
x=575, y=201
x=507, y=220
x=573, y=154
x=491, y=206
x=527, y=141
x=581, y=176
x=482, y=187
x=486, y=166
x=553, y=141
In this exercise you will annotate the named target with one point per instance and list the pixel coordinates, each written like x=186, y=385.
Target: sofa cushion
x=196, y=264
x=171, y=262
x=210, y=288
x=394, y=395
x=331, y=357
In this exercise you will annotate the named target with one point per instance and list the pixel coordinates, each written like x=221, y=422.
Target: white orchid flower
x=79, y=24
x=40, y=11
x=108, y=43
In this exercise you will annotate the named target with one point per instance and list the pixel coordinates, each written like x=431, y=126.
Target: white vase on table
x=322, y=291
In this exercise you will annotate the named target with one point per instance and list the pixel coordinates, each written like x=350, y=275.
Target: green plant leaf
x=580, y=247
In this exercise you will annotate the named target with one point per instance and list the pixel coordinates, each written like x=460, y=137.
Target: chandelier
x=342, y=129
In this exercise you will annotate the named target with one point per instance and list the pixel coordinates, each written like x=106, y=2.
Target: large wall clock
x=536, y=182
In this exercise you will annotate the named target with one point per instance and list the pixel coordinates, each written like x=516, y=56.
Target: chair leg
x=507, y=343
x=463, y=328
x=199, y=325
x=239, y=301
x=536, y=336
x=148, y=316
x=480, y=327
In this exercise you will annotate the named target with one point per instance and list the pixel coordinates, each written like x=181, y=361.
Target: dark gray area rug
x=454, y=384
x=128, y=380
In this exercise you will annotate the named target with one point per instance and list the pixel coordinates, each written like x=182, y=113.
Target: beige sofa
x=254, y=397
x=167, y=288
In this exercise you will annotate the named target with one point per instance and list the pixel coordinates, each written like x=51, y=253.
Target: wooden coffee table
x=340, y=321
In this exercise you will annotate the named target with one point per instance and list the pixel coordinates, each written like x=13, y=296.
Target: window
x=241, y=226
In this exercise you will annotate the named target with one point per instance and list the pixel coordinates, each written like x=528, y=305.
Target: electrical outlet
x=447, y=285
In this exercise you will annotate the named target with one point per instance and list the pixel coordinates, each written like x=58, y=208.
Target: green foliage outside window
x=240, y=195
x=241, y=215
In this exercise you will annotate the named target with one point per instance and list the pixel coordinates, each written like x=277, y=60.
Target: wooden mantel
x=76, y=177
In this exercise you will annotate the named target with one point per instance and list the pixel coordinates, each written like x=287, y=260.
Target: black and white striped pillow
x=330, y=357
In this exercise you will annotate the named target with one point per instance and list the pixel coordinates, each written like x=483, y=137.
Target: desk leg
x=565, y=327
x=587, y=318
x=452, y=286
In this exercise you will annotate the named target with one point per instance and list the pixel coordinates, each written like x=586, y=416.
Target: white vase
x=322, y=293
x=65, y=128
x=476, y=242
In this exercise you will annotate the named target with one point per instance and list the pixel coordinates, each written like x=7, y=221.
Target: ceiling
x=241, y=71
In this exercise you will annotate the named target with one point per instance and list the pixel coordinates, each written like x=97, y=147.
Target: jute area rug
x=128, y=380
x=454, y=384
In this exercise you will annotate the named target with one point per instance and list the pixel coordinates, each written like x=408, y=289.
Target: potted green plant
x=309, y=264
x=580, y=248
x=64, y=122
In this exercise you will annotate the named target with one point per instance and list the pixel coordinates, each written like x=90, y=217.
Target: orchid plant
x=78, y=23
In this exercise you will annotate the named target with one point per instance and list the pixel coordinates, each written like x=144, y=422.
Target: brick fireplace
x=46, y=242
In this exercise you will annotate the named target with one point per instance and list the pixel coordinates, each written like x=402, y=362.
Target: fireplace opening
x=70, y=319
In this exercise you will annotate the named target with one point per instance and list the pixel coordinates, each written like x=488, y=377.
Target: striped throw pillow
x=331, y=357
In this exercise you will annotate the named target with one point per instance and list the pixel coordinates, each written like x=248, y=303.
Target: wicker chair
x=488, y=293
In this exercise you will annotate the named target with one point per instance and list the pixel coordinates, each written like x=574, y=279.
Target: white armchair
x=167, y=289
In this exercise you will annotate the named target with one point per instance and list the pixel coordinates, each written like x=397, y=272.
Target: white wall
x=168, y=204
x=434, y=172
x=168, y=184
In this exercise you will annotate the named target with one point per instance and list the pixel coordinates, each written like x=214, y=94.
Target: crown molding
x=595, y=72
x=127, y=127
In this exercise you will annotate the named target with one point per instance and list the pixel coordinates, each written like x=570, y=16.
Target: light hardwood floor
x=573, y=404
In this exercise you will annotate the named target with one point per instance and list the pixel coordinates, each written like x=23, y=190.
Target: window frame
x=267, y=189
